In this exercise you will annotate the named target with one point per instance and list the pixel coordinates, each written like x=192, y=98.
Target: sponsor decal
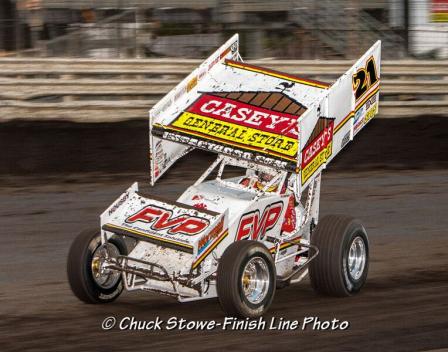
x=219, y=57
x=285, y=245
x=206, y=251
x=159, y=158
x=211, y=128
x=369, y=109
x=371, y=113
x=162, y=219
x=371, y=101
x=345, y=139
x=252, y=226
x=228, y=150
x=317, y=152
x=274, y=162
x=246, y=115
x=318, y=144
x=192, y=83
x=212, y=235
x=318, y=160
x=118, y=203
x=231, y=122
x=358, y=114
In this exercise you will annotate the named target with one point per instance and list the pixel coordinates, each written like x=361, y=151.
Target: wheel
x=246, y=279
x=341, y=267
x=89, y=281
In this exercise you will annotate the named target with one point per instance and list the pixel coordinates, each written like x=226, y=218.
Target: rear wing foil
x=333, y=121
x=264, y=116
x=163, y=153
x=235, y=109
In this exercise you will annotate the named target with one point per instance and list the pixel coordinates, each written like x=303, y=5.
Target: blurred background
x=299, y=29
x=77, y=78
x=95, y=64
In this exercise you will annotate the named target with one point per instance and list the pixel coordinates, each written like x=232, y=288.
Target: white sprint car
x=250, y=223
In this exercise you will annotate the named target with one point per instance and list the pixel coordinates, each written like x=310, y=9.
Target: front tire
x=88, y=281
x=342, y=265
x=246, y=279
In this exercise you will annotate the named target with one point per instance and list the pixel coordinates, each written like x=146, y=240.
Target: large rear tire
x=342, y=265
x=88, y=281
x=246, y=279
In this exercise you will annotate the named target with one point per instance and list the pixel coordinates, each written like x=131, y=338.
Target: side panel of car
x=261, y=219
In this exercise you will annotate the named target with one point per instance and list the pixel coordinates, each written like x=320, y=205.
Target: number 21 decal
x=364, y=78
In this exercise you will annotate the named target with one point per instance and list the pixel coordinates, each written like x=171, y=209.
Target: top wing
x=243, y=111
x=261, y=115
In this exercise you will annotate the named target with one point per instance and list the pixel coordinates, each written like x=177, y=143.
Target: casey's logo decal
x=317, y=152
x=253, y=227
x=249, y=126
x=162, y=219
x=248, y=115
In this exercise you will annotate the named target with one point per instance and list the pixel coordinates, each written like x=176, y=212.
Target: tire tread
x=228, y=273
x=77, y=256
x=325, y=274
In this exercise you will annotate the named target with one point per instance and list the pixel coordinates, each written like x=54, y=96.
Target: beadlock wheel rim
x=357, y=258
x=255, y=280
x=104, y=277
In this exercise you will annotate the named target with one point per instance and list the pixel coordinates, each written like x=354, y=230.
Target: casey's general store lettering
x=318, y=144
x=246, y=115
x=211, y=128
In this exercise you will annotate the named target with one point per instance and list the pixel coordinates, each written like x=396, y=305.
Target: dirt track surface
x=403, y=204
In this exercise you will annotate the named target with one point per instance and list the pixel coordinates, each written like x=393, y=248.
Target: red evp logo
x=254, y=227
x=162, y=219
